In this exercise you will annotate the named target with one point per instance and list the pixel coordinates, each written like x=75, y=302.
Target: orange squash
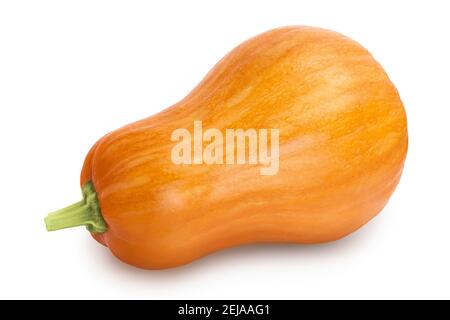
x=342, y=145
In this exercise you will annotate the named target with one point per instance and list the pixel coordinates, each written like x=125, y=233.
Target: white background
x=70, y=71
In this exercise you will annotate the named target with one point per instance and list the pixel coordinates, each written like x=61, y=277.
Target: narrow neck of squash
x=83, y=213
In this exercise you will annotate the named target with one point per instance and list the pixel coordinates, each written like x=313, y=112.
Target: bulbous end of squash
x=83, y=213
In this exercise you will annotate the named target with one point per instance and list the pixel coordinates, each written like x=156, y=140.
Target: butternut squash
x=342, y=141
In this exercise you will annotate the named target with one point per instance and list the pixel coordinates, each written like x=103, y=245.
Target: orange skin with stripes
x=343, y=142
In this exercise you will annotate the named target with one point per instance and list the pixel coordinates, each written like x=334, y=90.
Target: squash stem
x=83, y=213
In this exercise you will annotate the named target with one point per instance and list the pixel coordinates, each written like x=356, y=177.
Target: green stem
x=83, y=213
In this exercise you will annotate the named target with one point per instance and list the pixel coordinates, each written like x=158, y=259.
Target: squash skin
x=343, y=142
